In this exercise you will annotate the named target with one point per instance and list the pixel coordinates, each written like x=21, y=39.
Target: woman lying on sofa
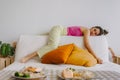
x=57, y=31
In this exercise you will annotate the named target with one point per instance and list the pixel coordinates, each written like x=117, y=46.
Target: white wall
x=38, y=16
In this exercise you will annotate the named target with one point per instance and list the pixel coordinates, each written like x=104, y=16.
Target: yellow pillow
x=81, y=57
x=58, y=55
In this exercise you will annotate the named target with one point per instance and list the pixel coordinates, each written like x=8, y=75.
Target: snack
x=67, y=73
x=29, y=72
x=79, y=74
x=33, y=69
x=86, y=74
x=21, y=74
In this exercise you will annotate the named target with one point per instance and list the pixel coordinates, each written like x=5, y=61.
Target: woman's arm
x=28, y=57
x=86, y=33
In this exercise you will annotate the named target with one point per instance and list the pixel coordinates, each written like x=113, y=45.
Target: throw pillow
x=81, y=57
x=59, y=55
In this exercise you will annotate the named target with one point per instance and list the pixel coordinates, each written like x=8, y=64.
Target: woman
x=57, y=31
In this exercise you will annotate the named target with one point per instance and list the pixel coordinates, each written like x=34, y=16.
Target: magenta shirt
x=74, y=31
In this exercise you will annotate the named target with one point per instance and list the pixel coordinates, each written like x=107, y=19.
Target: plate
x=31, y=78
x=83, y=77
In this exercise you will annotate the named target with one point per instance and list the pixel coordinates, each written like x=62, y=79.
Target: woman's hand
x=113, y=56
x=99, y=61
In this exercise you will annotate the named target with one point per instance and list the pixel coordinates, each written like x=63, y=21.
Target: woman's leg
x=53, y=40
x=55, y=35
x=28, y=57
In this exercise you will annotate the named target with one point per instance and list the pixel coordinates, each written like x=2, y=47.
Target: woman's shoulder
x=84, y=28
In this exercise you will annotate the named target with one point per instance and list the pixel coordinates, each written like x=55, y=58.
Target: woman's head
x=97, y=31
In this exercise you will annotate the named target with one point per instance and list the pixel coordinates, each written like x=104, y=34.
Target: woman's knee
x=57, y=27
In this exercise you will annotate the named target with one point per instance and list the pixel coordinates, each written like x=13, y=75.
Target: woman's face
x=94, y=31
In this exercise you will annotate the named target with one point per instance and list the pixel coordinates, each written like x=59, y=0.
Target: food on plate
x=87, y=74
x=33, y=69
x=79, y=74
x=21, y=74
x=67, y=73
x=29, y=72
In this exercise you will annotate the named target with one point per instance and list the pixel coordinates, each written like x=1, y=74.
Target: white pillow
x=30, y=43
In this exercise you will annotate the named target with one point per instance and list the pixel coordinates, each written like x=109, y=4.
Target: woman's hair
x=102, y=31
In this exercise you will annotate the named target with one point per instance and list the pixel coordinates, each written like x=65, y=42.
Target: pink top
x=74, y=31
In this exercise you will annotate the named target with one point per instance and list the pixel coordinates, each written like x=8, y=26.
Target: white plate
x=31, y=78
x=77, y=78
